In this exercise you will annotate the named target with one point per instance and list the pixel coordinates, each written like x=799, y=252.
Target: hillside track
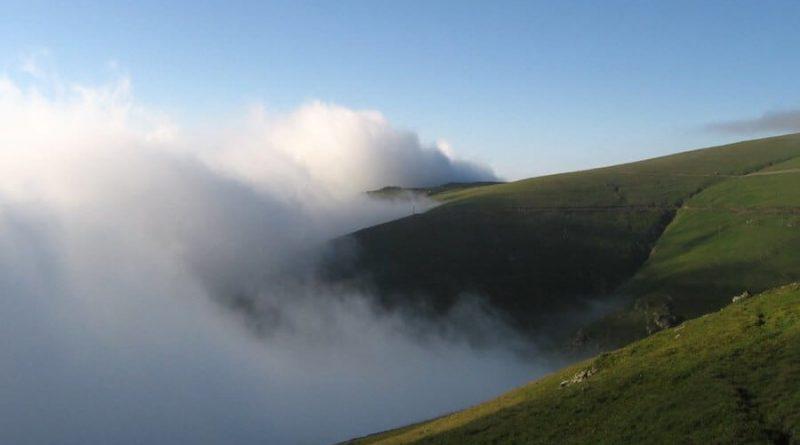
x=774, y=172
x=748, y=210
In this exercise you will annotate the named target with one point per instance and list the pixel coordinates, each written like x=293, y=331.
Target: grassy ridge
x=395, y=192
x=665, y=180
x=547, y=246
x=728, y=377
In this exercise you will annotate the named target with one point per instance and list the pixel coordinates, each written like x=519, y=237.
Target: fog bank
x=125, y=238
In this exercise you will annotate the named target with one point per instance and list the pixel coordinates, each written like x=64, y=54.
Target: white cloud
x=346, y=151
x=118, y=231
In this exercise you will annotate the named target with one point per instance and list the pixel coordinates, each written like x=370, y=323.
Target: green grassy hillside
x=544, y=247
x=740, y=234
x=729, y=377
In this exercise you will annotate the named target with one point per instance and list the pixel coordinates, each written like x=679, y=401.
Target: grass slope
x=740, y=234
x=545, y=246
x=729, y=377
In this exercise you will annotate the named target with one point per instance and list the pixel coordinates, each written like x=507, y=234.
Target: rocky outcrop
x=580, y=377
x=743, y=296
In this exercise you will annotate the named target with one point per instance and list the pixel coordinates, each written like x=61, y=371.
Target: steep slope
x=548, y=246
x=740, y=234
x=729, y=377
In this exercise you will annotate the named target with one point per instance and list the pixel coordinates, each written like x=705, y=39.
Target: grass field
x=725, y=378
x=544, y=249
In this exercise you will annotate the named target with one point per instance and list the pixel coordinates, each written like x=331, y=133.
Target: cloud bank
x=770, y=122
x=121, y=233
x=346, y=151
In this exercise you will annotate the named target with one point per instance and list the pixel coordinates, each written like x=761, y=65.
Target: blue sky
x=530, y=87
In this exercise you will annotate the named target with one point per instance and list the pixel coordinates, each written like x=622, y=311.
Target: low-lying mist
x=127, y=243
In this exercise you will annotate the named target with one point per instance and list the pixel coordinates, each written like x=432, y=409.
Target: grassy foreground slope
x=728, y=377
x=740, y=234
x=545, y=246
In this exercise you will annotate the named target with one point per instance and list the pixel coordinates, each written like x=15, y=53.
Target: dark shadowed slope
x=544, y=247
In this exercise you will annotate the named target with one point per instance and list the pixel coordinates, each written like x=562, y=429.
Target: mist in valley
x=159, y=283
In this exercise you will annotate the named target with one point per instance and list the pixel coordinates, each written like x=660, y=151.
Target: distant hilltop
x=396, y=192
